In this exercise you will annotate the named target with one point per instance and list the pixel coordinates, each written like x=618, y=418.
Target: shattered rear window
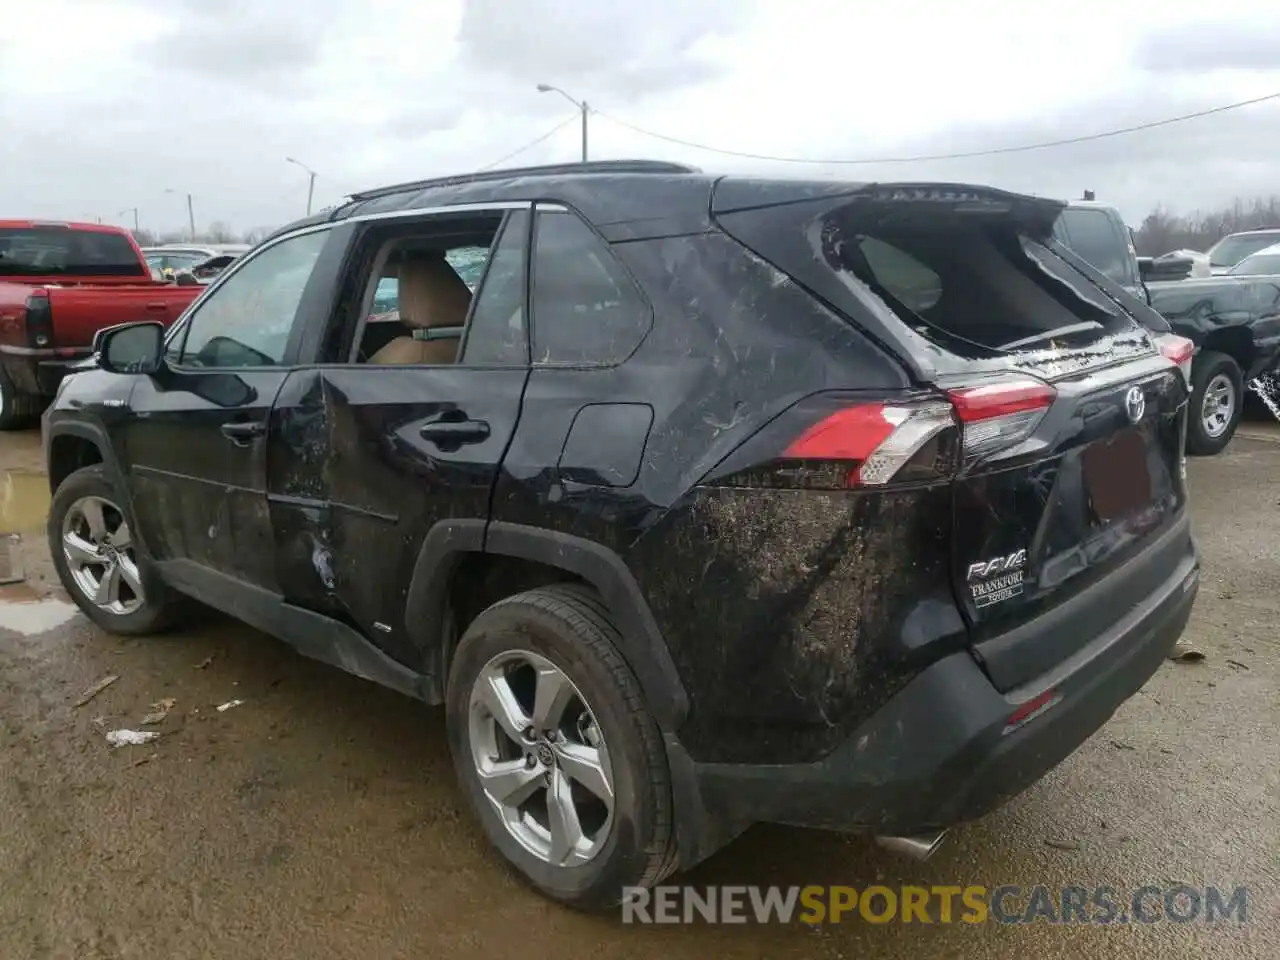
x=976, y=288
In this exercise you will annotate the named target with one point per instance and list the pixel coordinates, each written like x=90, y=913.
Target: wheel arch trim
x=644, y=648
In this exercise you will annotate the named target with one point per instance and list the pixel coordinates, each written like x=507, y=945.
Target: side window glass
x=585, y=307
x=918, y=287
x=468, y=263
x=497, y=331
x=247, y=320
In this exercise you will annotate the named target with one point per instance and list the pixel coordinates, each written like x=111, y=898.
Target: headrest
x=431, y=293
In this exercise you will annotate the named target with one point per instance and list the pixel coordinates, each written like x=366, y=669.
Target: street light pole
x=134, y=211
x=580, y=104
x=311, y=183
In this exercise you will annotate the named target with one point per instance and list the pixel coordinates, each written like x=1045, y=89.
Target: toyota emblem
x=1135, y=404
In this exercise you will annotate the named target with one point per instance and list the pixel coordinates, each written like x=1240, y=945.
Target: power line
x=946, y=156
x=532, y=143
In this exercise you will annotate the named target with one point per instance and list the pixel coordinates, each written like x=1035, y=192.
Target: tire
x=1214, y=376
x=17, y=410
x=152, y=608
x=567, y=627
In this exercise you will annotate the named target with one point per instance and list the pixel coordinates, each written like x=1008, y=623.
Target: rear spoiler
x=1036, y=214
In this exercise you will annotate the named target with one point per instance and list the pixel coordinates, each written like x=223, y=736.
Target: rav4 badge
x=997, y=579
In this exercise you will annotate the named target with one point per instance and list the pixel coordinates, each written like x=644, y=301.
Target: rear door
x=367, y=457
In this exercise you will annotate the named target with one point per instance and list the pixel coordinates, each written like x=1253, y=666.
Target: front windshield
x=1258, y=265
x=1229, y=251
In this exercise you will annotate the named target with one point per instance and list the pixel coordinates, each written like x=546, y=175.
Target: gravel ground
x=319, y=818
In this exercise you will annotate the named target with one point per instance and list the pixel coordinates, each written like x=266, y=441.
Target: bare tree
x=1163, y=230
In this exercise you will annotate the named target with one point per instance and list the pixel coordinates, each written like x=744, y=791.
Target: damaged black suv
x=696, y=501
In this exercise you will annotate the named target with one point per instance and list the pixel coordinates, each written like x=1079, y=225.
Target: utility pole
x=581, y=105
x=191, y=213
x=311, y=182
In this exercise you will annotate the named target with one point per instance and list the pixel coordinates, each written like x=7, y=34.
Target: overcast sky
x=105, y=104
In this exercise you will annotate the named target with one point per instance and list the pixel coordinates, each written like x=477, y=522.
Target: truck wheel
x=99, y=561
x=1217, y=392
x=17, y=410
x=556, y=750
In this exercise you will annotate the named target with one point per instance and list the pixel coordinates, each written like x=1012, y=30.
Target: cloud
x=621, y=50
x=139, y=95
x=238, y=43
x=1206, y=46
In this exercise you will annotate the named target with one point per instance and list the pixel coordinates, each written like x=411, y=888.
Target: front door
x=408, y=442
x=195, y=443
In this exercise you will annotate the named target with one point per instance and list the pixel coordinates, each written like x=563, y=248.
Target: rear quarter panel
x=790, y=614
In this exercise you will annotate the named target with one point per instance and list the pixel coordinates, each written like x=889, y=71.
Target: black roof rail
x=546, y=170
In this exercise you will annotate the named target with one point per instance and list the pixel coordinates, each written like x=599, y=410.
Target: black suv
x=717, y=500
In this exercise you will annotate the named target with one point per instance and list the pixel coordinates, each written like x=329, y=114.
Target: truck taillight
x=1000, y=414
x=39, y=321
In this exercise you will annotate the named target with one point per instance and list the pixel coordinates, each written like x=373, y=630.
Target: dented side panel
x=795, y=614
x=789, y=614
x=357, y=483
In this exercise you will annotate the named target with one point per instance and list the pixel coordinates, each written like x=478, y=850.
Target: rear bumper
x=37, y=371
x=939, y=752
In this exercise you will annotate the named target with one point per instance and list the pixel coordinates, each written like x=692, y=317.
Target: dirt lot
x=319, y=818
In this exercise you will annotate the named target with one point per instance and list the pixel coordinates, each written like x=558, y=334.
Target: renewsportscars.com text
x=971, y=904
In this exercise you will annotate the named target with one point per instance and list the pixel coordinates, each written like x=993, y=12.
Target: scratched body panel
x=356, y=488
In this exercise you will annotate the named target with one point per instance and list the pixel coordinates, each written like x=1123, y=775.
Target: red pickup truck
x=60, y=283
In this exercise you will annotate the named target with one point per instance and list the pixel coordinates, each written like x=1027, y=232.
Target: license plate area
x=1116, y=476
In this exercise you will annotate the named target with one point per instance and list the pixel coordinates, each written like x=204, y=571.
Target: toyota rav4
x=717, y=500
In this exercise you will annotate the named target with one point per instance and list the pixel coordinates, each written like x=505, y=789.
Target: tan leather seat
x=431, y=295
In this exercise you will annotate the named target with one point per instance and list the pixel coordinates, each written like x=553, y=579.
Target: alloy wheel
x=98, y=546
x=541, y=758
x=1219, y=405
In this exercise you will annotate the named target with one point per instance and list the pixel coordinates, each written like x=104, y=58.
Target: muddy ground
x=320, y=818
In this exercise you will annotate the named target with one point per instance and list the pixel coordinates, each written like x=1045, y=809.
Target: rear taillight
x=1001, y=413
x=833, y=441
x=39, y=321
x=879, y=438
x=1178, y=350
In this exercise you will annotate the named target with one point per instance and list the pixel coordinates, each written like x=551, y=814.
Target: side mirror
x=130, y=347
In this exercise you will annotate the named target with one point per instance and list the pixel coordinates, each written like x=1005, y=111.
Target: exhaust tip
x=919, y=847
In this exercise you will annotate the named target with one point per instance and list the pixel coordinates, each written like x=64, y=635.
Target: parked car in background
x=166, y=264
x=1098, y=233
x=202, y=262
x=1233, y=321
x=1264, y=263
x=1234, y=247
x=1175, y=265
x=60, y=283
x=686, y=524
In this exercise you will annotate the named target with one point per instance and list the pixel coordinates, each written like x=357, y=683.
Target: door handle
x=157, y=307
x=242, y=432
x=455, y=431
